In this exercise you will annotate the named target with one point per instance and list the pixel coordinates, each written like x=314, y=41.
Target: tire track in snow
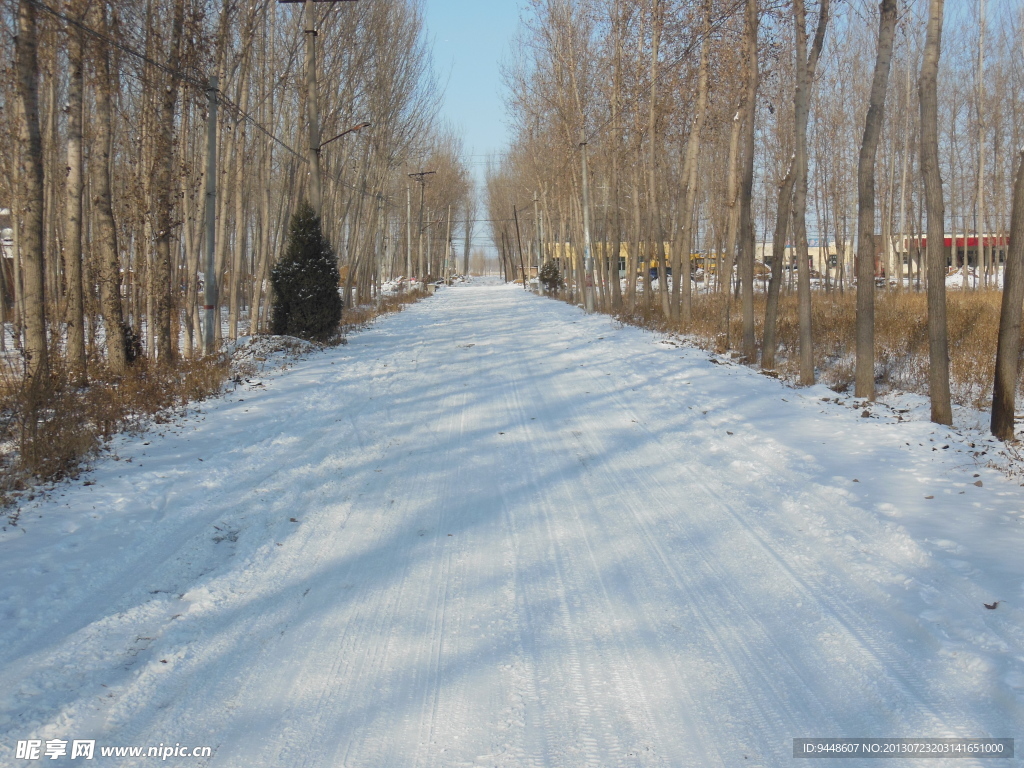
x=899, y=668
x=593, y=606
x=321, y=659
x=735, y=645
x=380, y=740
x=723, y=648
x=569, y=560
x=576, y=701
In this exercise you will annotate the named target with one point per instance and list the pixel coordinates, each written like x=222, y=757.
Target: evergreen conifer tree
x=550, y=277
x=305, y=281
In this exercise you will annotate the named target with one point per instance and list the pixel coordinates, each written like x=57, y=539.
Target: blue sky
x=470, y=39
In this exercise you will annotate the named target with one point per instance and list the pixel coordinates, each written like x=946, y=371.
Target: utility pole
x=210, y=267
x=408, y=232
x=537, y=233
x=426, y=267
x=448, y=249
x=465, y=247
x=420, y=271
x=588, y=259
x=420, y=177
x=312, y=103
x=312, y=113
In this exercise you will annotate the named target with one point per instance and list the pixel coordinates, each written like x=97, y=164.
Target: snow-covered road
x=492, y=531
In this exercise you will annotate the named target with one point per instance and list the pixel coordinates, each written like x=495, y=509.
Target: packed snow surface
x=493, y=531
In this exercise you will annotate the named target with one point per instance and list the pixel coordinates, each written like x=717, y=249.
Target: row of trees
x=107, y=175
x=716, y=125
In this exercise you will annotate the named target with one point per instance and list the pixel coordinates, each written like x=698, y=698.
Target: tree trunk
x=162, y=201
x=634, y=258
x=30, y=159
x=865, y=371
x=770, y=344
x=806, y=64
x=236, y=292
x=938, y=342
x=746, y=219
x=616, y=286
x=1004, y=389
x=903, y=244
x=732, y=202
x=467, y=241
x=654, y=233
x=52, y=280
x=681, y=282
x=100, y=162
x=75, y=187
x=982, y=250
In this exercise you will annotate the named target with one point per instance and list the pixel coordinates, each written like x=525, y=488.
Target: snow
x=493, y=531
x=974, y=280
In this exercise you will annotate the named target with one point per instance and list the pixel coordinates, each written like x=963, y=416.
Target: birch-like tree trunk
x=105, y=240
x=746, y=219
x=682, y=305
x=903, y=246
x=75, y=313
x=806, y=65
x=982, y=250
x=162, y=203
x=938, y=339
x=30, y=160
x=865, y=367
x=614, y=181
x=769, y=345
x=1004, y=390
x=732, y=201
x=654, y=231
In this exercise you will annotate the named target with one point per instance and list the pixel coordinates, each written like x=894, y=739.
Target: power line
x=204, y=86
x=120, y=46
x=256, y=124
x=185, y=77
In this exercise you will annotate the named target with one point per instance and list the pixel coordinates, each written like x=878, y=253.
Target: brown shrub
x=48, y=430
x=361, y=316
x=901, y=337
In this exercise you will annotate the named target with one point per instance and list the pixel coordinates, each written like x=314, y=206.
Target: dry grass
x=901, y=338
x=359, y=317
x=48, y=431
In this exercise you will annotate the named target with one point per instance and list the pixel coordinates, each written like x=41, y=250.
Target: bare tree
x=938, y=374
x=682, y=278
x=793, y=198
x=806, y=65
x=865, y=373
x=75, y=189
x=1004, y=389
x=746, y=221
x=100, y=163
x=769, y=341
x=31, y=175
x=161, y=190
